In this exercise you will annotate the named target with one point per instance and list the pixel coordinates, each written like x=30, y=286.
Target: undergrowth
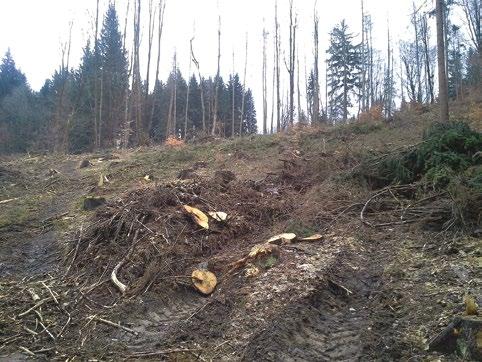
x=447, y=150
x=448, y=161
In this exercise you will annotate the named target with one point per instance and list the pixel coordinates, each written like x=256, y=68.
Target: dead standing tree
x=97, y=121
x=277, y=66
x=150, y=38
x=201, y=87
x=186, y=111
x=443, y=87
x=216, y=85
x=265, y=87
x=316, y=70
x=172, y=116
x=136, y=78
x=160, y=26
x=233, y=103
x=243, y=98
x=292, y=62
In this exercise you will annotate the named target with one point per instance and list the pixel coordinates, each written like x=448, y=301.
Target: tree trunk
x=187, y=98
x=160, y=24
x=277, y=55
x=243, y=98
x=264, y=81
x=316, y=90
x=233, y=115
x=201, y=88
x=216, y=91
x=443, y=88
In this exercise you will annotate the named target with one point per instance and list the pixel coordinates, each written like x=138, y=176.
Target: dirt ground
x=356, y=293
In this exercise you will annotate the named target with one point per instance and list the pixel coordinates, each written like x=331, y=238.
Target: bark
x=443, y=88
x=201, y=88
x=160, y=27
x=186, y=113
x=264, y=85
x=150, y=38
x=277, y=61
x=96, y=98
x=316, y=90
x=291, y=70
x=216, y=91
x=426, y=48
x=233, y=115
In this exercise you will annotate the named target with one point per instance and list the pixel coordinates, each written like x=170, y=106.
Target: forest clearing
x=281, y=181
x=357, y=291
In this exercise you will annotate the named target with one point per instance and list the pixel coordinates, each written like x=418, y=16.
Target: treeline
x=105, y=103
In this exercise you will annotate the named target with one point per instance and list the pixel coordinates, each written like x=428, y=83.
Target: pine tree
x=344, y=66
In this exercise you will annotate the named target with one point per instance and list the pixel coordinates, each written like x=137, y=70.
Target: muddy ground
x=358, y=293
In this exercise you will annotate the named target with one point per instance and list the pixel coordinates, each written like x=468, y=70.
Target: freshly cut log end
x=198, y=216
x=204, y=281
x=286, y=238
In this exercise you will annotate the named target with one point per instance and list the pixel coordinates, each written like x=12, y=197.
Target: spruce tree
x=114, y=76
x=10, y=76
x=344, y=67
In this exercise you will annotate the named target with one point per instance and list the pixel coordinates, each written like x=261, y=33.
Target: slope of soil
x=358, y=293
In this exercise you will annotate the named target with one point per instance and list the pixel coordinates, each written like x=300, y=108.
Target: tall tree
x=114, y=70
x=216, y=81
x=10, y=76
x=277, y=62
x=316, y=71
x=160, y=26
x=264, y=84
x=343, y=70
x=241, y=114
x=443, y=87
x=292, y=62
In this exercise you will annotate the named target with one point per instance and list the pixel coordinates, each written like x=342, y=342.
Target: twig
x=46, y=330
x=9, y=200
x=117, y=325
x=76, y=249
x=163, y=352
x=35, y=306
x=51, y=293
x=27, y=351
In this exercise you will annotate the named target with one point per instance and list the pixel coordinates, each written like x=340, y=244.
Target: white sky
x=34, y=29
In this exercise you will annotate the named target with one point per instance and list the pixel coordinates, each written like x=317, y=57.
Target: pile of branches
x=49, y=318
x=147, y=240
x=396, y=205
x=436, y=182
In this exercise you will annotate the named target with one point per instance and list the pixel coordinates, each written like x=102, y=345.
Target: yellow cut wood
x=284, y=238
x=218, y=216
x=204, y=281
x=315, y=237
x=198, y=216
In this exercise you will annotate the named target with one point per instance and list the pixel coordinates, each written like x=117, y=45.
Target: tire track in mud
x=332, y=324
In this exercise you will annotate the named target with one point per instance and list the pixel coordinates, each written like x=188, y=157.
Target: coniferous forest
x=106, y=102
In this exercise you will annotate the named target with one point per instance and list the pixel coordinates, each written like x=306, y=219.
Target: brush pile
x=156, y=237
x=437, y=182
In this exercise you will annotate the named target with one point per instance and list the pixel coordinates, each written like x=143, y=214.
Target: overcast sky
x=34, y=30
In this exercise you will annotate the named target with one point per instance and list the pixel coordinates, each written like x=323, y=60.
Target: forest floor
x=355, y=293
